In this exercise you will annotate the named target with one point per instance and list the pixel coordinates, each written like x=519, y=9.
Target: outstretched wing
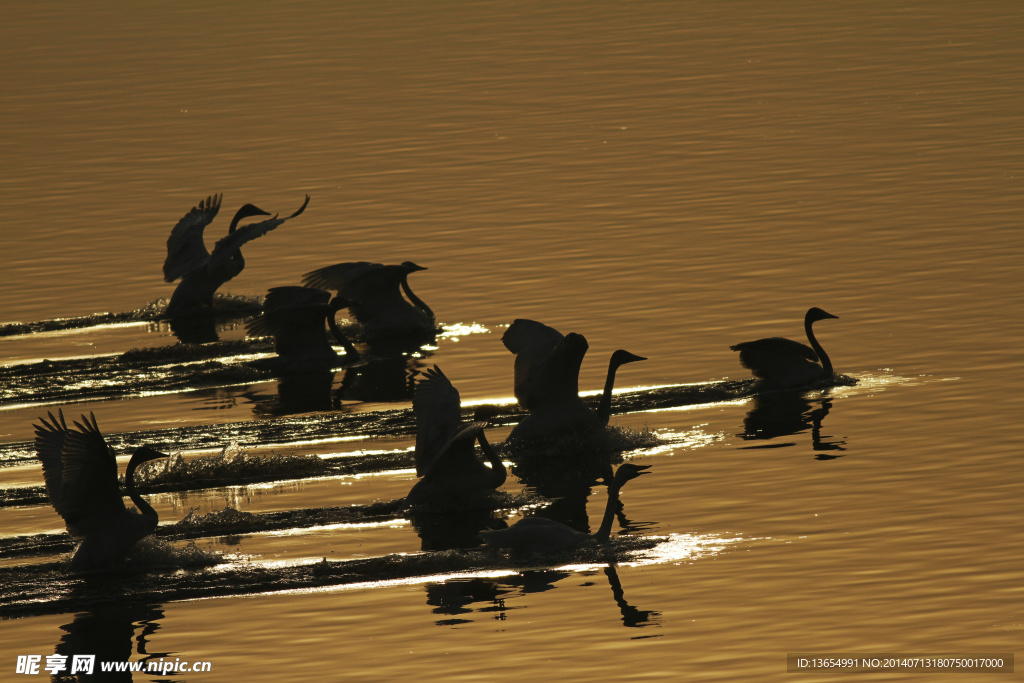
x=339, y=276
x=438, y=415
x=227, y=246
x=371, y=288
x=50, y=437
x=90, y=492
x=186, y=250
x=774, y=356
x=539, y=350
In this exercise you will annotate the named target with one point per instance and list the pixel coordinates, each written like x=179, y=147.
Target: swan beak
x=642, y=469
x=412, y=267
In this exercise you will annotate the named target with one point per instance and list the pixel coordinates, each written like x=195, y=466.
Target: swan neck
x=497, y=466
x=604, y=408
x=826, y=362
x=605, y=529
x=129, y=479
x=416, y=301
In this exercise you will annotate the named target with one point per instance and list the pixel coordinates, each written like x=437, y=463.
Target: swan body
x=539, y=535
x=375, y=295
x=202, y=272
x=450, y=474
x=781, y=363
x=295, y=317
x=80, y=471
x=546, y=382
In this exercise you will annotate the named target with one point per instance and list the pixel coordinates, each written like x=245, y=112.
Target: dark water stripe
x=51, y=588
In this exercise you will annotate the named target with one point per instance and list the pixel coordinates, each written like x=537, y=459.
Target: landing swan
x=375, y=293
x=80, y=472
x=202, y=272
x=450, y=474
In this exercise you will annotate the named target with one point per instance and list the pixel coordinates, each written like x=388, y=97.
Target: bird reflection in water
x=789, y=413
x=114, y=632
x=538, y=535
x=454, y=600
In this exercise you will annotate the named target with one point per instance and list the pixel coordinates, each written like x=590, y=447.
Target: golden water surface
x=667, y=177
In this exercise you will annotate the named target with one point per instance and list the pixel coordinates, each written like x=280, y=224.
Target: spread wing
x=228, y=246
x=371, y=288
x=90, y=492
x=185, y=248
x=774, y=356
x=50, y=437
x=339, y=276
x=438, y=416
x=545, y=361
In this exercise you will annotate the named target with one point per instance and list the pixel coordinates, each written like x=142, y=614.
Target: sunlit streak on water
x=680, y=547
x=456, y=330
x=389, y=524
x=693, y=438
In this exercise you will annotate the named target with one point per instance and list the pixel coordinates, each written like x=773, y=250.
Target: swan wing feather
x=438, y=411
x=186, y=250
x=90, y=490
x=774, y=355
x=227, y=246
x=533, y=343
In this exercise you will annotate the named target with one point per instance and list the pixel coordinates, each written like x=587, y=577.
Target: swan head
x=145, y=454
x=411, y=267
x=628, y=471
x=621, y=357
x=815, y=314
x=245, y=212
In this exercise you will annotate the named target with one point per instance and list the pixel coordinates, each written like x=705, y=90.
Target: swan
x=80, y=472
x=547, y=537
x=202, y=272
x=781, y=363
x=450, y=474
x=295, y=317
x=547, y=369
x=375, y=291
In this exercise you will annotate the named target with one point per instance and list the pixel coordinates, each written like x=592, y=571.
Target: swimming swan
x=781, y=363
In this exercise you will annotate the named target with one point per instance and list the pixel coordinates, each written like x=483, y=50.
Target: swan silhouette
x=450, y=474
x=547, y=369
x=539, y=535
x=80, y=471
x=781, y=363
x=202, y=272
x=375, y=293
x=295, y=317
